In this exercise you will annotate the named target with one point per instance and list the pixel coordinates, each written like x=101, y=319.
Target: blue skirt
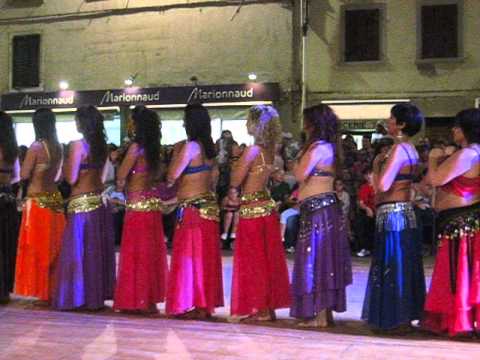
x=396, y=284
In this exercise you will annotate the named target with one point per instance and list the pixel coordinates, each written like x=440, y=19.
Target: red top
x=366, y=194
x=463, y=186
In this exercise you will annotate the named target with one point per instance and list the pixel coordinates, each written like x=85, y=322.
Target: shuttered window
x=26, y=61
x=439, y=31
x=362, y=35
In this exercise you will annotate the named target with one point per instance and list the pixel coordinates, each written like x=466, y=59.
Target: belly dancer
x=453, y=301
x=195, y=286
x=322, y=268
x=396, y=285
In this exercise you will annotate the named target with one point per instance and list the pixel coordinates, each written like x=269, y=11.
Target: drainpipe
x=304, y=19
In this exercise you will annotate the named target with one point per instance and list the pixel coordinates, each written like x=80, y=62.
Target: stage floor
x=29, y=332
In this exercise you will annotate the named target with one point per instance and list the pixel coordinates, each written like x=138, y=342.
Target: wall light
x=252, y=76
x=63, y=85
x=130, y=80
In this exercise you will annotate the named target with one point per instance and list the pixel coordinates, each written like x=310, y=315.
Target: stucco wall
x=441, y=89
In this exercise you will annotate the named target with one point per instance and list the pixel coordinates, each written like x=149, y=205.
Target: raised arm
x=30, y=161
x=310, y=159
x=457, y=164
x=71, y=168
x=126, y=166
x=396, y=159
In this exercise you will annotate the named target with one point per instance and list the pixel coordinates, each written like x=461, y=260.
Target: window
x=440, y=35
x=13, y=4
x=26, y=61
x=362, y=34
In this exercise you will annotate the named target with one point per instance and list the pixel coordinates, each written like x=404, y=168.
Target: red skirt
x=142, y=274
x=196, y=268
x=455, y=311
x=260, y=273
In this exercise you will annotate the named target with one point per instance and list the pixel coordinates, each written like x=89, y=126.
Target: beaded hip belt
x=48, y=200
x=317, y=202
x=84, y=203
x=205, y=203
x=395, y=216
x=145, y=204
x=256, y=204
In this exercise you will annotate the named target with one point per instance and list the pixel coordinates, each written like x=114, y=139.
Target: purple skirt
x=322, y=268
x=85, y=272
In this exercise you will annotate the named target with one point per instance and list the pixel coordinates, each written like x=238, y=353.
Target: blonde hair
x=266, y=121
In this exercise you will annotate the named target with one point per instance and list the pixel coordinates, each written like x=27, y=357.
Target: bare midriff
x=445, y=200
x=398, y=192
x=89, y=180
x=42, y=178
x=315, y=185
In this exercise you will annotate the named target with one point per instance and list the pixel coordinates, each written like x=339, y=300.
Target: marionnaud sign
x=147, y=96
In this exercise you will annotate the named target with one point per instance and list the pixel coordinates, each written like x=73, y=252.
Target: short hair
x=469, y=121
x=410, y=115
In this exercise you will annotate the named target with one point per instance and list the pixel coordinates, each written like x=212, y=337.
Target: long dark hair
x=8, y=141
x=148, y=134
x=198, y=128
x=90, y=124
x=324, y=125
x=44, y=121
x=44, y=125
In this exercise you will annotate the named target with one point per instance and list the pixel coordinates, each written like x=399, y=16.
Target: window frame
x=460, y=31
x=40, y=86
x=382, y=34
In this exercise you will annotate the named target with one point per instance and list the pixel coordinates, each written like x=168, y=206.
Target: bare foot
x=319, y=321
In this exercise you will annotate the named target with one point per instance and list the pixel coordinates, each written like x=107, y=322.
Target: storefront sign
x=146, y=96
x=363, y=124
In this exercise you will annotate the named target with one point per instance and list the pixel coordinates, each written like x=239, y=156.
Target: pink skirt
x=142, y=275
x=196, y=268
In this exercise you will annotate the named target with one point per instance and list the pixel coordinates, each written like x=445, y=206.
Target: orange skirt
x=39, y=245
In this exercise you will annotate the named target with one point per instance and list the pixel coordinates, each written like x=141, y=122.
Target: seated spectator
x=289, y=222
x=365, y=220
x=279, y=189
x=289, y=178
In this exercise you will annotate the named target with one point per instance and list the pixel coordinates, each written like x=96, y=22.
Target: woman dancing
x=195, y=285
x=85, y=271
x=43, y=220
x=142, y=275
x=322, y=268
x=260, y=275
x=453, y=302
x=9, y=174
x=396, y=285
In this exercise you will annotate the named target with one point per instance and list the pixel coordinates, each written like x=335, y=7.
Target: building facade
x=360, y=56
x=97, y=45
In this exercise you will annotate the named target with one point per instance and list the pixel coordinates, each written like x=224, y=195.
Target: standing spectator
x=365, y=221
x=9, y=174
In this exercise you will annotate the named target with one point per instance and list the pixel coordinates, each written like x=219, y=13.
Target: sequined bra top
x=259, y=168
x=463, y=186
x=320, y=172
